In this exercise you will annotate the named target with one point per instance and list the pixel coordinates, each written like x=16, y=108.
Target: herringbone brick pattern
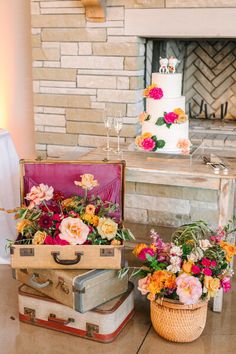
x=209, y=73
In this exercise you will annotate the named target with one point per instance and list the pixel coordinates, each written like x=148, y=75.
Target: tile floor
x=219, y=336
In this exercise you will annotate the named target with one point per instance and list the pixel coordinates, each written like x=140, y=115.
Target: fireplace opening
x=209, y=76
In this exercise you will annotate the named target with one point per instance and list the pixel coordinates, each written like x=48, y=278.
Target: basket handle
x=67, y=261
x=38, y=285
x=60, y=321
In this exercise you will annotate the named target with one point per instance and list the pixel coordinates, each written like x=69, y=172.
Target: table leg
x=226, y=212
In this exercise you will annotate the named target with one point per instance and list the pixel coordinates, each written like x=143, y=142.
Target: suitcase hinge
x=30, y=312
x=91, y=329
x=80, y=291
x=107, y=252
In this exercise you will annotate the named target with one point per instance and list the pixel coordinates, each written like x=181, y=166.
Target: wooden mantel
x=95, y=10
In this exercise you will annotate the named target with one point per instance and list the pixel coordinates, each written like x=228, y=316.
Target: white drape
x=9, y=191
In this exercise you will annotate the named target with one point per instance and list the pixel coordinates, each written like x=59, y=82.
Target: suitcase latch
x=26, y=252
x=91, y=329
x=30, y=312
x=80, y=291
x=62, y=284
x=107, y=252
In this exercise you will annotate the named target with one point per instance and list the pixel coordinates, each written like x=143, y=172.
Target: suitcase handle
x=67, y=261
x=38, y=285
x=60, y=321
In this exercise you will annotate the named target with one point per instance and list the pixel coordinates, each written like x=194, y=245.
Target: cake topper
x=168, y=65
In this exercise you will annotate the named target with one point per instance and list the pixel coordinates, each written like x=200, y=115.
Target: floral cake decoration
x=153, y=91
x=149, y=142
x=177, y=116
x=50, y=218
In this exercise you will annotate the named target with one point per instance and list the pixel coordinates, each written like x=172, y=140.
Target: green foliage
x=191, y=233
x=160, y=121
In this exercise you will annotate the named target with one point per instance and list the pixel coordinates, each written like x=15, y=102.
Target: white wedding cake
x=165, y=126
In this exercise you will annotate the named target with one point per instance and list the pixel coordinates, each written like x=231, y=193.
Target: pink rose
x=226, y=285
x=206, y=262
x=144, y=252
x=189, y=289
x=170, y=118
x=74, y=231
x=195, y=269
x=207, y=271
x=213, y=264
x=156, y=93
x=38, y=194
x=143, y=285
x=148, y=144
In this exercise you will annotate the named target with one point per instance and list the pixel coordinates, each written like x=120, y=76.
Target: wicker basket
x=177, y=322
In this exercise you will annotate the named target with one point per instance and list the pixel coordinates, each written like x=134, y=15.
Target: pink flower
x=74, y=231
x=156, y=93
x=226, y=285
x=39, y=194
x=189, y=289
x=143, y=285
x=144, y=252
x=49, y=240
x=170, y=118
x=206, y=262
x=195, y=269
x=207, y=271
x=184, y=145
x=148, y=144
x=213, y=264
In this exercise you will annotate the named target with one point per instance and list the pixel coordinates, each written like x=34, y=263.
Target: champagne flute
x=118, y=124
x=108, y=122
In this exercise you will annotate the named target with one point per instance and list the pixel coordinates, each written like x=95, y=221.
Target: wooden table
x=178, y=171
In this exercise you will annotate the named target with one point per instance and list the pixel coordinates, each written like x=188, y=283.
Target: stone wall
x=82, y=68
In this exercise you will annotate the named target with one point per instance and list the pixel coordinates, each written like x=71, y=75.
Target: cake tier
x=156, y=108
x=171, y=135
x=171, y=84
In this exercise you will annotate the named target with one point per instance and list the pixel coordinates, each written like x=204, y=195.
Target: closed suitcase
x=102, y=324
x=75, y=288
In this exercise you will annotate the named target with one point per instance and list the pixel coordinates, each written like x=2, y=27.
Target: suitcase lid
x=62, y=174
x=93, y=278
x=108, y=307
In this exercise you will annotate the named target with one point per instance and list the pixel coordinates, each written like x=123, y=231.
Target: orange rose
x=229, y=249
x=187, y=266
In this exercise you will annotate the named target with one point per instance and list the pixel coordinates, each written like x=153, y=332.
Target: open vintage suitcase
x=61, y=175
x=81, y=290
x=102, y=324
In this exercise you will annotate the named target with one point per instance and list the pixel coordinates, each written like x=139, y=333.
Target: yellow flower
x=139, y=248
x=107, y=228
x=39, y=237
x=21, y=225
x=212, y=285
x=229, y=249
x=90, y=209
x=139, y=139
x=182, y=119
x=115, y=242
x=179, y=111
x=69, y=202
x=187, y=266
x=87, y=182
x=91, y=219
x=95, y=220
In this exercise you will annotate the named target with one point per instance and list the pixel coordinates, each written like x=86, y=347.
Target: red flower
x=58, y=196
x=170, y=117
x=213, y=264
x=45, y=221
x=195, y=269
x=156, y=93
x=144, y=252
x=206, y=262
x=49, y=240
x=56, y=217
x=207, y=271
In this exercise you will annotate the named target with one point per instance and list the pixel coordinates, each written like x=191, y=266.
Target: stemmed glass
x=108, y=122
x=118, y=124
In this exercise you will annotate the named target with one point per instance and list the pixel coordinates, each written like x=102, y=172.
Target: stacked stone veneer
x=82, y=68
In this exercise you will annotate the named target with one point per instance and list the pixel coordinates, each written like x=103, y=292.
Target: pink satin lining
x=61, y=177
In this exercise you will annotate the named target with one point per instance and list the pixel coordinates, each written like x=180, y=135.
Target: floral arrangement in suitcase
x=52, y=219
x=190, y=268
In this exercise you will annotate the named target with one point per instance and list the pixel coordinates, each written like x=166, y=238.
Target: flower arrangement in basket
x=51, y=219
x=180, y=276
